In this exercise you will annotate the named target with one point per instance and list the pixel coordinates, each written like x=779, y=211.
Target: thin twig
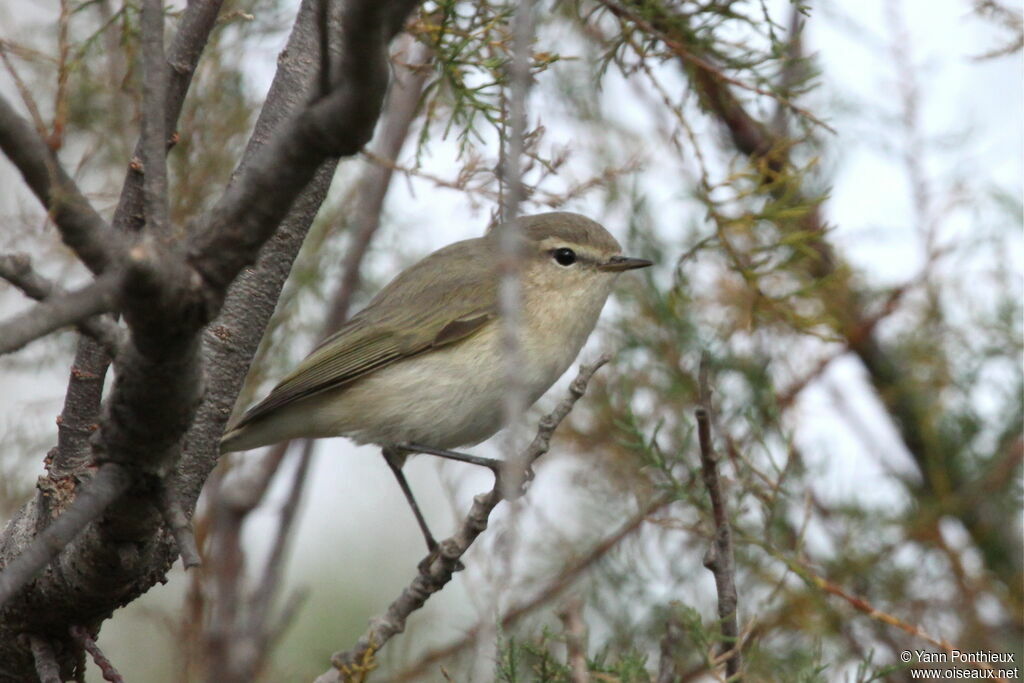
x=154, y=114
x=193, y=33
x=564, y=579
x=47, y=667
x=110, y=481
x=719, y=557
x=86, y=642
x=437, y=569
x=53, y=313
x=179, y=526
x=17, y=269
x=863, y=605
x=704, y=65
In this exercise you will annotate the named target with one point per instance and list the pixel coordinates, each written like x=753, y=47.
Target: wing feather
x=423, y=308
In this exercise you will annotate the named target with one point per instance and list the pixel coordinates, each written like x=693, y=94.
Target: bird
x=420, y=369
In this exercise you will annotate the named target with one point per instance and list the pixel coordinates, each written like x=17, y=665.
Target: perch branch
x=719, y=557
x=549, y=593
x=437, y=569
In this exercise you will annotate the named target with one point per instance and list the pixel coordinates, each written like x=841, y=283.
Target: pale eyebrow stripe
x=582, y=253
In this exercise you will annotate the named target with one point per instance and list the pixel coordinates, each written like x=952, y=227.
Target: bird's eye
x=564, y=256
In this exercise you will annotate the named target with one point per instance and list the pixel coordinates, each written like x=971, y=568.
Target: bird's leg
x=394, y=459
x=495, y=466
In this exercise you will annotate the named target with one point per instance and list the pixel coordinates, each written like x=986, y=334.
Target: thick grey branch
x=110, y=481
x=154, y=107
x=47, y=667
x=158, y=378
x=62, y=310
x=17, y=269
x=437, y=569
x=337, y=124
x=80, y=226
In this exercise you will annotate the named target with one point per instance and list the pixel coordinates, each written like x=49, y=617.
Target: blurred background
x=832, y=192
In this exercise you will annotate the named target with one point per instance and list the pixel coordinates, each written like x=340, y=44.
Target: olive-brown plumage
x=422, y=362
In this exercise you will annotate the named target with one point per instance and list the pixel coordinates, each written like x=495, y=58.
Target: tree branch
x=47, y=667
x=55, y=312
x=182, y=58
x=87, y=643
x=111, y=481
x=719, y=557
x=250, y=624
x=337, y=124
x=158, y=380
x=178, y=524
x=154, y=108
x=564, y=579
x=17, y=269
x=80, y=226
x=437, y=569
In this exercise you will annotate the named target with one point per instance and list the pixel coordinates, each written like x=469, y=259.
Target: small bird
x=420, y=369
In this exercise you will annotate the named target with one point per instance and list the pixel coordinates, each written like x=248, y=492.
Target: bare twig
x=564, y=579
x=26, y=93
x=719, y=557
x=47, y=667
x=176, y=520
x=154, y=113
x=17, y=269
x=80, y=226
x=193, y=32
x=704, y=65
x=863, y=605
x=87, y=643
x=53, y=313
x=111, y=481
x=437, y=569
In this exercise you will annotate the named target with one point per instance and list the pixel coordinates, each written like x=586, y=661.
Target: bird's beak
x=617, y=264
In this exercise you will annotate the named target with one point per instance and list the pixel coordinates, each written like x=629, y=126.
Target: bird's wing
x=420, y=310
